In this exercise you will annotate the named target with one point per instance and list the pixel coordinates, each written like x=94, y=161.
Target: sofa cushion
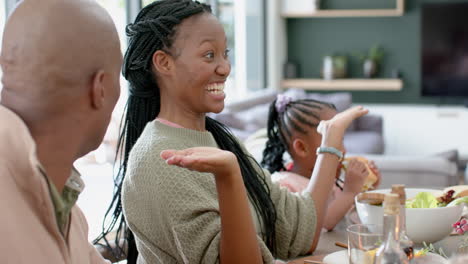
x=416, y=171
x=254, y=118
x=363, y=142
x=342, y=101
x=369, y=122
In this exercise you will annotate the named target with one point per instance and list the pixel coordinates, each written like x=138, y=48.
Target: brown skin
x=61, y=64
x=198, y=59
x=303, y=147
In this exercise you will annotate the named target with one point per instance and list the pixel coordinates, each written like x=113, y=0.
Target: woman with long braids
x=188, y=191
x=292, y=128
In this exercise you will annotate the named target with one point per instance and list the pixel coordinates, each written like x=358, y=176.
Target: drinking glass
x=363, y=242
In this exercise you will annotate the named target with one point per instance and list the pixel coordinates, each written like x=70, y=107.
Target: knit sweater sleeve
x=173, y=212
x=296, y=220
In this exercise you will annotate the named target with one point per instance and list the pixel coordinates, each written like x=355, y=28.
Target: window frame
x=252, y=77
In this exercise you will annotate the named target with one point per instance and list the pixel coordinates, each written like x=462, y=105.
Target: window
x=96, y=167
x=250, y=59
x=244, y=24
x=117, y=10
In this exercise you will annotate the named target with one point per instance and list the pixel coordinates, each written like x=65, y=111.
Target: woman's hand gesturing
x=203, y=159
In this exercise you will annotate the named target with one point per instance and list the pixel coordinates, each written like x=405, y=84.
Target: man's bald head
x=52, y=47
x=61, y=64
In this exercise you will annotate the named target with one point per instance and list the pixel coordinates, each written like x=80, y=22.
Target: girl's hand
x=377, y=173
x=203, y=159
x=333, y=130
x=356, y=174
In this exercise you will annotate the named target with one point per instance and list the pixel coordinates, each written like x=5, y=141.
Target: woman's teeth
x=215, y=88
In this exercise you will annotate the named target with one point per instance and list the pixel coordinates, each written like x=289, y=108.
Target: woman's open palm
x=203, y=159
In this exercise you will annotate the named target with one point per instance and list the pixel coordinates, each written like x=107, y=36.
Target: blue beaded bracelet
x=330, y=150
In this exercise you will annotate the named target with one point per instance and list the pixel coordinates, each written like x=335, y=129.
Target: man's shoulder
x=15, y=139
x=11, y=123
x=8, y=118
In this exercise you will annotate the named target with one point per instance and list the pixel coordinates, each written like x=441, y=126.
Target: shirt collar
x=73, y=182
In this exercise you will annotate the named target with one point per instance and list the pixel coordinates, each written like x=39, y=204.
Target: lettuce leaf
x=459, y=201
x=422, y=200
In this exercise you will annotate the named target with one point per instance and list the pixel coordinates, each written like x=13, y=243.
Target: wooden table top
x=326, y=245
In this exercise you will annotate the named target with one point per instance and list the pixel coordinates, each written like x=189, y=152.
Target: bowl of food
x=430, y=213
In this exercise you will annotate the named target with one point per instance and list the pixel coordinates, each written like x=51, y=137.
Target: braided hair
x=292, y=116
x=155, y=29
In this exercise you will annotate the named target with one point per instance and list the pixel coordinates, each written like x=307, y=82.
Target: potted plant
x=334, y=67
x=371, y=61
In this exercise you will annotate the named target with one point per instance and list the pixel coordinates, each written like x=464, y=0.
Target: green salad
x=428, y=200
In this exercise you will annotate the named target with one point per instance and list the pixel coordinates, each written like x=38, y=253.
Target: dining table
x=326, y=245
x=329, y=239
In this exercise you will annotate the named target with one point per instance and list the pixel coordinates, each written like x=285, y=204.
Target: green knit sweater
x=174, y=212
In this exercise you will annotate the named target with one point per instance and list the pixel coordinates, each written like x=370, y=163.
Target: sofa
x=425, y=171
x=247, y=117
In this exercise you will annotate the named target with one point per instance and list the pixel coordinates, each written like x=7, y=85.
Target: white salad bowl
x=422, y=224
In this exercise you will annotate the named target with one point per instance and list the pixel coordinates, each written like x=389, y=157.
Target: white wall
x=423, y=130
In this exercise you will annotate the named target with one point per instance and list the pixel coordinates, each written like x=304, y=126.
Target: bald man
x=61, y=64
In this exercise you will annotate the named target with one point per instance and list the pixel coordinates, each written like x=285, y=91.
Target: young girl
x=292, y=128
x=211, y=202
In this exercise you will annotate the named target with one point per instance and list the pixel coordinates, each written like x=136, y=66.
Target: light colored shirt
x=28, y=224
x=174, y=212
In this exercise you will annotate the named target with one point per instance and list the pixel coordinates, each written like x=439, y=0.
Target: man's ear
x=300, y=148
x=97, y=92
x=162, y=62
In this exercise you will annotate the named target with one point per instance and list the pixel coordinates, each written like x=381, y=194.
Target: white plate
x=341, y=257
x=338, y=257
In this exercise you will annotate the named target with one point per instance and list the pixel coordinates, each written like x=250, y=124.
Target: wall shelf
x=344, y=84
x=398, y=11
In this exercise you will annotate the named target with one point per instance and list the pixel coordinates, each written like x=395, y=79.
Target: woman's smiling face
x=201, y=64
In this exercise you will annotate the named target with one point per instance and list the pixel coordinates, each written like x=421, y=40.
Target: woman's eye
x=226, y=53
x=209, y=55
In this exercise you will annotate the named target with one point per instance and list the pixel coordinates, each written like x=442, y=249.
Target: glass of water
x=363, y=242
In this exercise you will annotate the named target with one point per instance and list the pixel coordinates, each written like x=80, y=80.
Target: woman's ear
x=300, y=148
x=162, y=62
